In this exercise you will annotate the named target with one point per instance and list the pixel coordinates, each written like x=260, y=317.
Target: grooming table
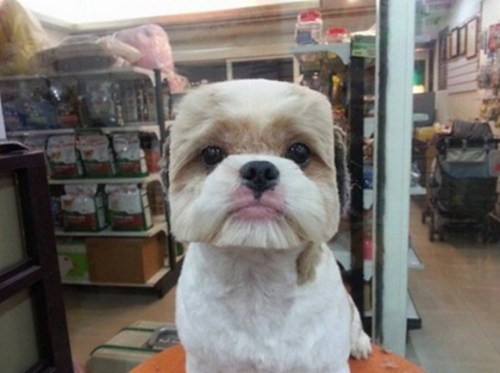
x=172, y=360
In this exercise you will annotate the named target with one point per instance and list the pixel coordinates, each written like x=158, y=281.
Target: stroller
x=462, y=184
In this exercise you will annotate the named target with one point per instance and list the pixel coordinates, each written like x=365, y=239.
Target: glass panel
x=18, y=336
x=12, y=250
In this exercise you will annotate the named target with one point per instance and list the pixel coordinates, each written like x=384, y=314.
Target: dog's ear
x=343, y=176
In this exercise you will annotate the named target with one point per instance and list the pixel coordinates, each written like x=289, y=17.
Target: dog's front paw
x=362, y=347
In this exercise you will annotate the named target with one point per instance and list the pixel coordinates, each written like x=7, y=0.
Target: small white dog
x=254, y=190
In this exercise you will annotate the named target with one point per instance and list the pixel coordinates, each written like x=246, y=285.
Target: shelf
x=413, y=320
x=128, y=72
x=413, y=263
x=368, y=195
x=156, y=228
x=148, y=126
x=108, y=180
x=368, y=127
x=413, y=260
x=342, y=50
x=418, y=191
x=149, y=284
x=340, y=246
x=367, y=198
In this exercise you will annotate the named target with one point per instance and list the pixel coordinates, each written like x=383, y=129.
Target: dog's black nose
x=259, y=176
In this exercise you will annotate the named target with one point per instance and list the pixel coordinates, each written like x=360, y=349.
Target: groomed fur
x=260, y=291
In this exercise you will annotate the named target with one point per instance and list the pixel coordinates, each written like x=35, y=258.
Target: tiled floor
x=457, y=296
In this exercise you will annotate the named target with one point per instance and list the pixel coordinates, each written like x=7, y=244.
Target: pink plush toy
x=153, y=42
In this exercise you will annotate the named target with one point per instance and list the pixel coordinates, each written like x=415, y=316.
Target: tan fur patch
x=307, y=261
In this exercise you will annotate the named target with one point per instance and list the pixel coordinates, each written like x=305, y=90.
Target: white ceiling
x=82, y=13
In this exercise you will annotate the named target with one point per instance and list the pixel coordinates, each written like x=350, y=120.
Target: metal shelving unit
x=167, y=277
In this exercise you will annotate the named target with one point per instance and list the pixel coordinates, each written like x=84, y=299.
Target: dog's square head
x=252, y=164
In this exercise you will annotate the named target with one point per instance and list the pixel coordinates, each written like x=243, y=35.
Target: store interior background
x=456, y=290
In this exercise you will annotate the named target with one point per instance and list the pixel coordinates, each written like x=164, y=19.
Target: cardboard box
x=72, y=258
x=125, y=260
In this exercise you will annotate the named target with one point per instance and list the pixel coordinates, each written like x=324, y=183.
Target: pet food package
x=72, y=259
x=130, y=158
x=83, y=208
x=128, y=206
x=152, y=153
x=97, y=155
x=62, y=156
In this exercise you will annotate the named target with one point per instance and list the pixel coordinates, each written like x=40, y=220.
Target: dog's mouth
x=267, y=207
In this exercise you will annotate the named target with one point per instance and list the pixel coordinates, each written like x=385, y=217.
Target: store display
x=83, y=208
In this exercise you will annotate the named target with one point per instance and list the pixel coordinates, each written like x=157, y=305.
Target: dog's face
x=252, y=165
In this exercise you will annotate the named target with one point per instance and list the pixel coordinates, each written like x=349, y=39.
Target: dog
x=257, y=187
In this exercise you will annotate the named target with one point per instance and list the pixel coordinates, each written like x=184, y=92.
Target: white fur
x=240, y=307
x=243, y=312
x=206, y=218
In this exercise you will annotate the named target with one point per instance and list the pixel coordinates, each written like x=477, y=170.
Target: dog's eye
x=212, y=155
x=299, y=153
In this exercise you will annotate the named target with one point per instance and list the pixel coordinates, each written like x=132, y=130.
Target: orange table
x=172, y=360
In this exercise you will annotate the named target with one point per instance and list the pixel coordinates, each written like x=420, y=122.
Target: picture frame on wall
x=462, y=40
x=471, y=45
x=454, y=43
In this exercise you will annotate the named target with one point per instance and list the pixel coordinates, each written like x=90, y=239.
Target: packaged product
x=72, y=259
x=336, y=35
x=104, y=103
x=130, y=158
x=128, y=206
x=309, y=27
x=62, y=156
x=97, y=155
x=83, y=208
x=151, y=146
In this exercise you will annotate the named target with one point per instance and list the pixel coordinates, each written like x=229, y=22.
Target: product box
x=97, y=156
x=72, y=258
x=125, y=260
x=364, y=46
x=131, y=346
x=128, y=208
x=83, y=208
x=62, y=156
